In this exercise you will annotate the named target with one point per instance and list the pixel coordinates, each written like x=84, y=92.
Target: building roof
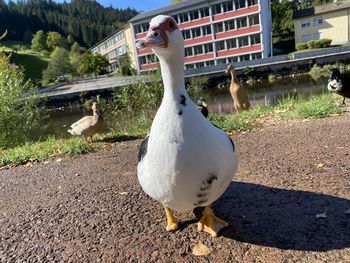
x=166, y=9
x=321, y=9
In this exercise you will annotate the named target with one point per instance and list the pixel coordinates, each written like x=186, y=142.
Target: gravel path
x=288, y=203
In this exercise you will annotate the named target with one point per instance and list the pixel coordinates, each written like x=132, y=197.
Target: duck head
x=164, y=38
x=229, y=69
x=334, y=81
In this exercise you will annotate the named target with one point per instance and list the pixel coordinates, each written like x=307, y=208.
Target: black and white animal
x=185, y=162
x=339, y=83
x=202, y=107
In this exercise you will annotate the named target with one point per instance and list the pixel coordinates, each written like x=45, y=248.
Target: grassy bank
x=315, y=107
x=32, y=62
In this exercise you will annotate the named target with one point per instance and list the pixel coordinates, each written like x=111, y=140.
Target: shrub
x=311, y=44
x=196, y=86
x=325, y=42
x=301, y=46
x=20, y=111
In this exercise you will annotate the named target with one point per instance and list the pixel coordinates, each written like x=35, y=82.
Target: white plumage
x=186, y=161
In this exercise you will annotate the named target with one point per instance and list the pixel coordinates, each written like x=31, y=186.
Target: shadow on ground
x=284, y=219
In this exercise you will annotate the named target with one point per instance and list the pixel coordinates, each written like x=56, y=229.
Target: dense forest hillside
x=86, y=20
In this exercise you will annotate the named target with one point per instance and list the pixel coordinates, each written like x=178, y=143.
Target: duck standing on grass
x=238, y=93
x=185, y=162
x=88, y=126
x=339, y=83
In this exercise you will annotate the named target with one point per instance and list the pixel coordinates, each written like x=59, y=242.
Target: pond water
x=260, y=93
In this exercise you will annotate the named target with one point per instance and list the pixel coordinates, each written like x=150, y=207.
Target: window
x=218, y=27
x=206, y=30
x=243, y=41
x=209, y=63
x=176, y=17
x=188, y=52
x=221, y=61
x=254, y=20
x=137, y=29
x=143, y=60
x=227, y=6
x=216, y=9
x=318, y=21
x=240, y=4
x=151, y=58
x=232, y=59
x=241, y=22
x=318, y=35
x=189, y=66
x=186, y=34
x=196, y=32
x=255, y=39
x=306, y=38
x=305, y=23
x=252, y=2
x=244, y=57
x=208, y=48
x=231, y=43
x=220, y=45
x=230, y=25
x=200, y=65
x=197, y=50
x=256, y=55
x=194, y=15
x=183, y=17
x=204, y=12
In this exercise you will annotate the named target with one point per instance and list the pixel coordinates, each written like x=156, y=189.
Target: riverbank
x=289, y=202
x=317, y=106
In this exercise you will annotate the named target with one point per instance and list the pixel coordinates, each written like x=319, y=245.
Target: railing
x=269, y=60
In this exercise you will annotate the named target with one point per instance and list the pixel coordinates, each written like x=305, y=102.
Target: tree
x=92, y=64
x=175, y=1
x=39, y=41
x=282, y=12
x=55, y=39
x=28, y=36
x=59, y=65
x=74, y=48
x=20, y=110
x=70, y=40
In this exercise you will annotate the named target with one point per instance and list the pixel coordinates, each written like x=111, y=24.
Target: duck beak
x=154, y=38
x=204, y=104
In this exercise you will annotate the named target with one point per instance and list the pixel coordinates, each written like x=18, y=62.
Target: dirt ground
x=288, y=203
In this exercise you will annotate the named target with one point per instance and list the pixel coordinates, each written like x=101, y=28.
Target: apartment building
x=112, y=48
x=215, y=32
x=325, y=21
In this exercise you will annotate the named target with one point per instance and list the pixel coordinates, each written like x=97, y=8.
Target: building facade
x=326, y=21
x=215, y=32
x=113, y=47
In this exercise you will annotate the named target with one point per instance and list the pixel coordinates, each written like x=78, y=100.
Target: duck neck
x=173, y=77
x=234, y=76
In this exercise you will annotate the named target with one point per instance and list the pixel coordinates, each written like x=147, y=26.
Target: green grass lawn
x=315, y=107
x=32, y=62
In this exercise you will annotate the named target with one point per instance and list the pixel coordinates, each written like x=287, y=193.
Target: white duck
x=88, y=126
x=185, y=162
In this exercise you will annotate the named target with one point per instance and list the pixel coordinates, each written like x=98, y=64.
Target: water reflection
x=266, y=93
x=260, y=93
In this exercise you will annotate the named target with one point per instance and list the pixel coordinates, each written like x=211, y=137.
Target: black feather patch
x=183, y=100
x=143, y=148
x=180, y=112
x=201, y=201
x=211, y=178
